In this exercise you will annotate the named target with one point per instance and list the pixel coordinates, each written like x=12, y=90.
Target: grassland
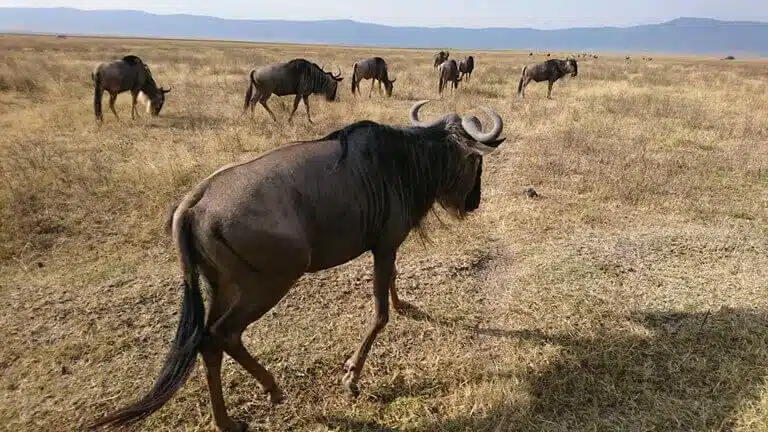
x=632, y=295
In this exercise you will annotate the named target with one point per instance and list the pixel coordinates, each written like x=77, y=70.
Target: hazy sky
x=465, y=13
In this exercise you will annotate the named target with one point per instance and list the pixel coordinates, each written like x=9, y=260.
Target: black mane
x=406, y=169
x=132, y=59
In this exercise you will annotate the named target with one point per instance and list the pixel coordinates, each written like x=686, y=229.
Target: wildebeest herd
x=301, y=78
x=253, y=228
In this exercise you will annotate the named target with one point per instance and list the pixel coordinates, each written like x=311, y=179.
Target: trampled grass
x=631, y=295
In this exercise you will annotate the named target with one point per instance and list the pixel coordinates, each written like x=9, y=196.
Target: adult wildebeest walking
x=550, y=70
x=449, y=72
x=375, y=69
x=440, y=57
x=466, y=67
x=298, y=77
x=253, y=228
x=127, y=74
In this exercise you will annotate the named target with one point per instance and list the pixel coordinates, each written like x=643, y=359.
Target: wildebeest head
x=388, y=86
x=573, y=67
x=332, y=85
x=156, y=102
x=463, y=194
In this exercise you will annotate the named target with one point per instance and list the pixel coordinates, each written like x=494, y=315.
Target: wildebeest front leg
x=373, y=81
x=549, y=89
x=134, y=100
x=295, y=105
x=305, y=98
x=112, y=99
x=384, y=268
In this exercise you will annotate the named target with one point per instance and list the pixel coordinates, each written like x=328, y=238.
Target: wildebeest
x=298, y=77
x=127, y=74
x=550, y=70
x=252, y=228
x=466, y=67
x=375, y=69
x=449, y=72
x=440, y=57
x=730, y=57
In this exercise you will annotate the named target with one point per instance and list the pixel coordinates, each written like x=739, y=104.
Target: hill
x=682, y=35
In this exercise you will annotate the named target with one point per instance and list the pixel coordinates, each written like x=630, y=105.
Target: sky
x=543, y=14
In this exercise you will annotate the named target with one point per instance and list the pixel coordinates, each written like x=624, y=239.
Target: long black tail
x=520, y=84
x=97, y=95
x=354, y=75
x=185, y=346
x=249, y=92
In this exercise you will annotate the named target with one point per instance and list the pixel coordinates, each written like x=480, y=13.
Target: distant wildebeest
x=730, y=57
x=550, y=71
x=298, y=77
x=449, y=72
x=127, y=74
x=466, y=67
x=627, y=58
x=375, y=69
x=530, y=54
x=440, y=57
x=253, y=228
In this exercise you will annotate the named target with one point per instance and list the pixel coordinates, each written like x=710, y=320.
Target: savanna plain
x=631, y=295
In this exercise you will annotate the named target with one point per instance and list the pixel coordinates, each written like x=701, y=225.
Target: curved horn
x=337, y=76
x=393, y=80
x=471, y=126
x=414, y=115
x=168, y=90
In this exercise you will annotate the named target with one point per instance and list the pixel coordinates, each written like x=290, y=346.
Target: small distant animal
x=594, y=56
x=730, y=57
x=530, y=54
x=550, y=71
x=449, y=72
x=440, y=57
x=298, y=77
x=375, y=69
x=627, y=58
x=548, y=54
x=531, y=192
x=61, y=36
x=127, y=74
x=253, y=228
x=466, y=67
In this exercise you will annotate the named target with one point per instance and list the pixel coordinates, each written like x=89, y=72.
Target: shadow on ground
x=676, y=371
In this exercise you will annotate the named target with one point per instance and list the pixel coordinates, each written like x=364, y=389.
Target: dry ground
x=633, y=295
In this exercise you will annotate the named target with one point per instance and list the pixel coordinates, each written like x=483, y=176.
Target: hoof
x=350, y=385
x=350, y=380
x=237, y=426
x=275, y=396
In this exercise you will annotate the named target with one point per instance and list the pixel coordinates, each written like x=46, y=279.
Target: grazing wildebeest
x=440, y=57
x=127, y=74
x=466, y=67
x=730, y=57
x=375, y=69
x=252, y=228
x=298, y=77
x=449, y=72
x=550, y=70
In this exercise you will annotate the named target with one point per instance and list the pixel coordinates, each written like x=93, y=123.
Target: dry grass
x=630, y=296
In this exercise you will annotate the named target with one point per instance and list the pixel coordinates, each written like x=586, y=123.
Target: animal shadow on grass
x=189, y=121
x=675, y=371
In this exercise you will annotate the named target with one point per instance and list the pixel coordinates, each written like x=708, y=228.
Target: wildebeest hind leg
x=263, y=103
x=549, y=89
x=384, y=267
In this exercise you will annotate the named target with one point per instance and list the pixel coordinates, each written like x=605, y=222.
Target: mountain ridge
x=689, y=35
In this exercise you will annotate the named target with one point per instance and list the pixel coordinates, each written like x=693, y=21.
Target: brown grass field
x=631, y=296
